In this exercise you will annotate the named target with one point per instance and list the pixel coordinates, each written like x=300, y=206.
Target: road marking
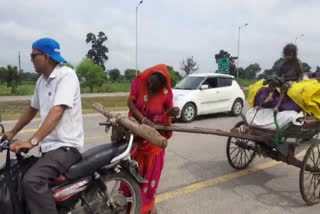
x=28, y=131
x=93, y=138
x=217, y=180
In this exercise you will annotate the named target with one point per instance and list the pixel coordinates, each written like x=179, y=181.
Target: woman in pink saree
x=151, y=102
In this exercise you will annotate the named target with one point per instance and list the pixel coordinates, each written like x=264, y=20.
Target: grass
x=24, y=89
x=120, y=87
x=27, y=88
x=246, y=91
x=4, y=90
x=107, y=88
x=245, y=82
x=113, y=103
x=13, y=109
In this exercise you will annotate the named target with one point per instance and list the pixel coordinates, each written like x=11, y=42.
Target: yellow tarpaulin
x=305, y=94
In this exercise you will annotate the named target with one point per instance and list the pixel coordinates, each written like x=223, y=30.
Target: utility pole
x=19, y=63
x=137, y=36
x=239, y=28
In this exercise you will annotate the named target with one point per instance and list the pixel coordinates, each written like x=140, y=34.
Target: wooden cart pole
x=142, y=130
x=218, y=132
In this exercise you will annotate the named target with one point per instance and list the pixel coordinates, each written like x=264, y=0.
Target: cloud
x=169, y=30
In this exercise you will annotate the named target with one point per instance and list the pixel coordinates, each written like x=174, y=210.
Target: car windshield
x=189, y=83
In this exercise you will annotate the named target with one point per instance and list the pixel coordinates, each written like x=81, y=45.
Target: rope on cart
x=278, y=133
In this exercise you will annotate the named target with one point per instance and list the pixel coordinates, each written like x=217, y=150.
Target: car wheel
x=188, y=113
x=237, y=107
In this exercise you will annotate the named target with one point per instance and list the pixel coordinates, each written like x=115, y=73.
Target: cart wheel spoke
x=240, y=157
x=236, y=156
x=246, y=156
x=318, y=156
x=313, y=159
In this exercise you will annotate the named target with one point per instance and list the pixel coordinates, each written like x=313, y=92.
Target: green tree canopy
x=175, y=76
x=68, y=64
x=306, y=67
x=251, y=71
x=98, y=51
x=114, y=74
x=29, y=76
x=130, y=74
x=10, y=76
x=90, y=74
x=277, y=65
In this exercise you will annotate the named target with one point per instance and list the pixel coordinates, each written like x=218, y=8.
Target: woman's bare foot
x=276, y=108
x=269, y=98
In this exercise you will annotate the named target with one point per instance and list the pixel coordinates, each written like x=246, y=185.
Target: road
x=28, y=97
x=22, y=98
x=198, y=179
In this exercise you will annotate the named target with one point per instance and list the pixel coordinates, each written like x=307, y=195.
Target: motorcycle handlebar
x=5, y=145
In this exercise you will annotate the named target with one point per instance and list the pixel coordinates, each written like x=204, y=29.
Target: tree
x=122, y=78
x=98, y=50
x=11, y=77
x=90, y=74
x=306, y=68
x=189, y=65
x=175, y=76
x=267, y=73
x=28, y=76
x=318, y=69
x=130, y=74
x=251, y=71
x=261, y=76
x=241, y=72
x=114, y=74
x=68, y=64
x=232, y=65
x=3, y=75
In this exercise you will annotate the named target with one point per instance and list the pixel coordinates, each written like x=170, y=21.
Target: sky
x=168, y=30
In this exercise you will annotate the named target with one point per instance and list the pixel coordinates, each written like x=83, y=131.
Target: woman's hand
x=146, y=121
x=173, y=112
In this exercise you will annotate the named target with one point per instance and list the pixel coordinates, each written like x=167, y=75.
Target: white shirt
x=61, y=88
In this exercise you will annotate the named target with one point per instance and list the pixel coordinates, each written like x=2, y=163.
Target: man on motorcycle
x=57, y=97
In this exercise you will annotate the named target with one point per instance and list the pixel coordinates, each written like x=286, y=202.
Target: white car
x=202, y=93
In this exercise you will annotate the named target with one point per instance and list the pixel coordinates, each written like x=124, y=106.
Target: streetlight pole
x=299, y=36
x=239, y=28
x=137, y=36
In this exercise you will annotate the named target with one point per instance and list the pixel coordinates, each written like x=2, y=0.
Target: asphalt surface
x=197, y=177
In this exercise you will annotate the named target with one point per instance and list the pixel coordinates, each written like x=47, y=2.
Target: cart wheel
x=310, y=175
x=238, y=156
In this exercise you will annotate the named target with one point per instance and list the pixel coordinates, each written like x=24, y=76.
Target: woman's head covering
x=161, y=68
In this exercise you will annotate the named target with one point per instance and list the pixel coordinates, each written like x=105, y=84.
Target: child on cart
x=290, y=71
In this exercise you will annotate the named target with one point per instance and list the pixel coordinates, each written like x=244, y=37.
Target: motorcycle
x=95, y=185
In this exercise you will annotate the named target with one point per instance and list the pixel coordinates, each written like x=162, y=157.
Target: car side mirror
x=204, y=87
